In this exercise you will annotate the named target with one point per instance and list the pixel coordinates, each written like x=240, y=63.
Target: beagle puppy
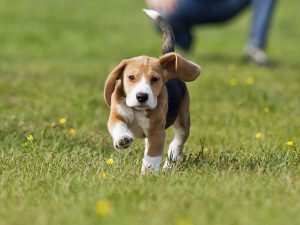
x=147, y=95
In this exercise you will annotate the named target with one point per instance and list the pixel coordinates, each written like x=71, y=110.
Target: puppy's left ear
x=176, y=66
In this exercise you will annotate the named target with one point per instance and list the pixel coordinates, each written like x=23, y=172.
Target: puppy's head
x=143, y=78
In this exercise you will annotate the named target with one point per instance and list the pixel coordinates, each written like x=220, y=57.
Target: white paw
x=123, y=142
x=167, y=165
x=173, y=155
x=150, y=164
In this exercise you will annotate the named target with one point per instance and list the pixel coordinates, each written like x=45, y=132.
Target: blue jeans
x=194, y=12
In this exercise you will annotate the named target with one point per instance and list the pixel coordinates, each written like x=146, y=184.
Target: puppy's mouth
x=142, y=107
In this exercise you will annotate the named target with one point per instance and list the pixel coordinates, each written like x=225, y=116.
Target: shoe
x=256, y=55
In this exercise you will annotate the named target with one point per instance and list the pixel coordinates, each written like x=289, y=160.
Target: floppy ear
x=109, y=86
x=177, y=66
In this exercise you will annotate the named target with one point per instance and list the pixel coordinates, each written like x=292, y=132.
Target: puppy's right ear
x=109, y=86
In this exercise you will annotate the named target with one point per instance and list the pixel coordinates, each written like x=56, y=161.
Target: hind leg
x=181, y=129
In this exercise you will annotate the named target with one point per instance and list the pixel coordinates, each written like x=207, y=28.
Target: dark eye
x=131, y=77
x=154, y=79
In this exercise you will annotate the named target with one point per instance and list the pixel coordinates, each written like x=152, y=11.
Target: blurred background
x=54, y=58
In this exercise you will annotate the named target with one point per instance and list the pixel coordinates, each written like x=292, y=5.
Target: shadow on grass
x=281, y=159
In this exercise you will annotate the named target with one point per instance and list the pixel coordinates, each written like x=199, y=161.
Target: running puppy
x=150, y=95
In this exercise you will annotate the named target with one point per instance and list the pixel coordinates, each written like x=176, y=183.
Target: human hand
x=165, y=7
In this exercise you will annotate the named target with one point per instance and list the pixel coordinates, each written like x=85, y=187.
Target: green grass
x=54, y=58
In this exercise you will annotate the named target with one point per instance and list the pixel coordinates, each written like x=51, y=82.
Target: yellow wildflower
x=109, y=161
x=184, y=222
x=29, y=138
x=249, y=80
x=258, y=135
x=205, y=150
x=72, y=131
x=266, y=109
x=62, y=121
x=103, y=207
x=231, y=67
x=291, y=143
x=103, y=176
x=233, y=82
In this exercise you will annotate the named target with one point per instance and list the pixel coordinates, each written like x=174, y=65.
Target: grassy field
x=54, y=58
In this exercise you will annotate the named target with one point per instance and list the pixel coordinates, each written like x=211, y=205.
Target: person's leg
x=192, y=12
x=261, y=19
x=262, y=16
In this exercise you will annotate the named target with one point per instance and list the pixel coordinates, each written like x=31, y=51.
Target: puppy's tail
x=166, y=29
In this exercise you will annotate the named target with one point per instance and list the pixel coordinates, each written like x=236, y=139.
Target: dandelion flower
x=29, y=138
x=103, y=176
x=266, y=109
x=291, y=143
x=103, y=207
x=184, y=222
x=62, y=121
x=258, y=135
x=233, y=82
x=109, y=161
x=249, y=81
x=72, y=131
x=205, y=150
x=231, y=67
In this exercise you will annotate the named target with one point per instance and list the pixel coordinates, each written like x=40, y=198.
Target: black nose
x=141, y=97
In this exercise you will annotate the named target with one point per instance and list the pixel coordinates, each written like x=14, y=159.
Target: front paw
x=123, y=142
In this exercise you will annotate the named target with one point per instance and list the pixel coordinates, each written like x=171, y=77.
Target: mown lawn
x=54, y=58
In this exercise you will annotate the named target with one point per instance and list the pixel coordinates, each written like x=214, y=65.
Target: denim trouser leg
x=192, y=12
x=262, y=16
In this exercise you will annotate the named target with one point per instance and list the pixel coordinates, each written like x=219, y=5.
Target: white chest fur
x=137, y=120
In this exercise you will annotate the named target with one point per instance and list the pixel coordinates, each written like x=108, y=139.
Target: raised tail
x=166, y=29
